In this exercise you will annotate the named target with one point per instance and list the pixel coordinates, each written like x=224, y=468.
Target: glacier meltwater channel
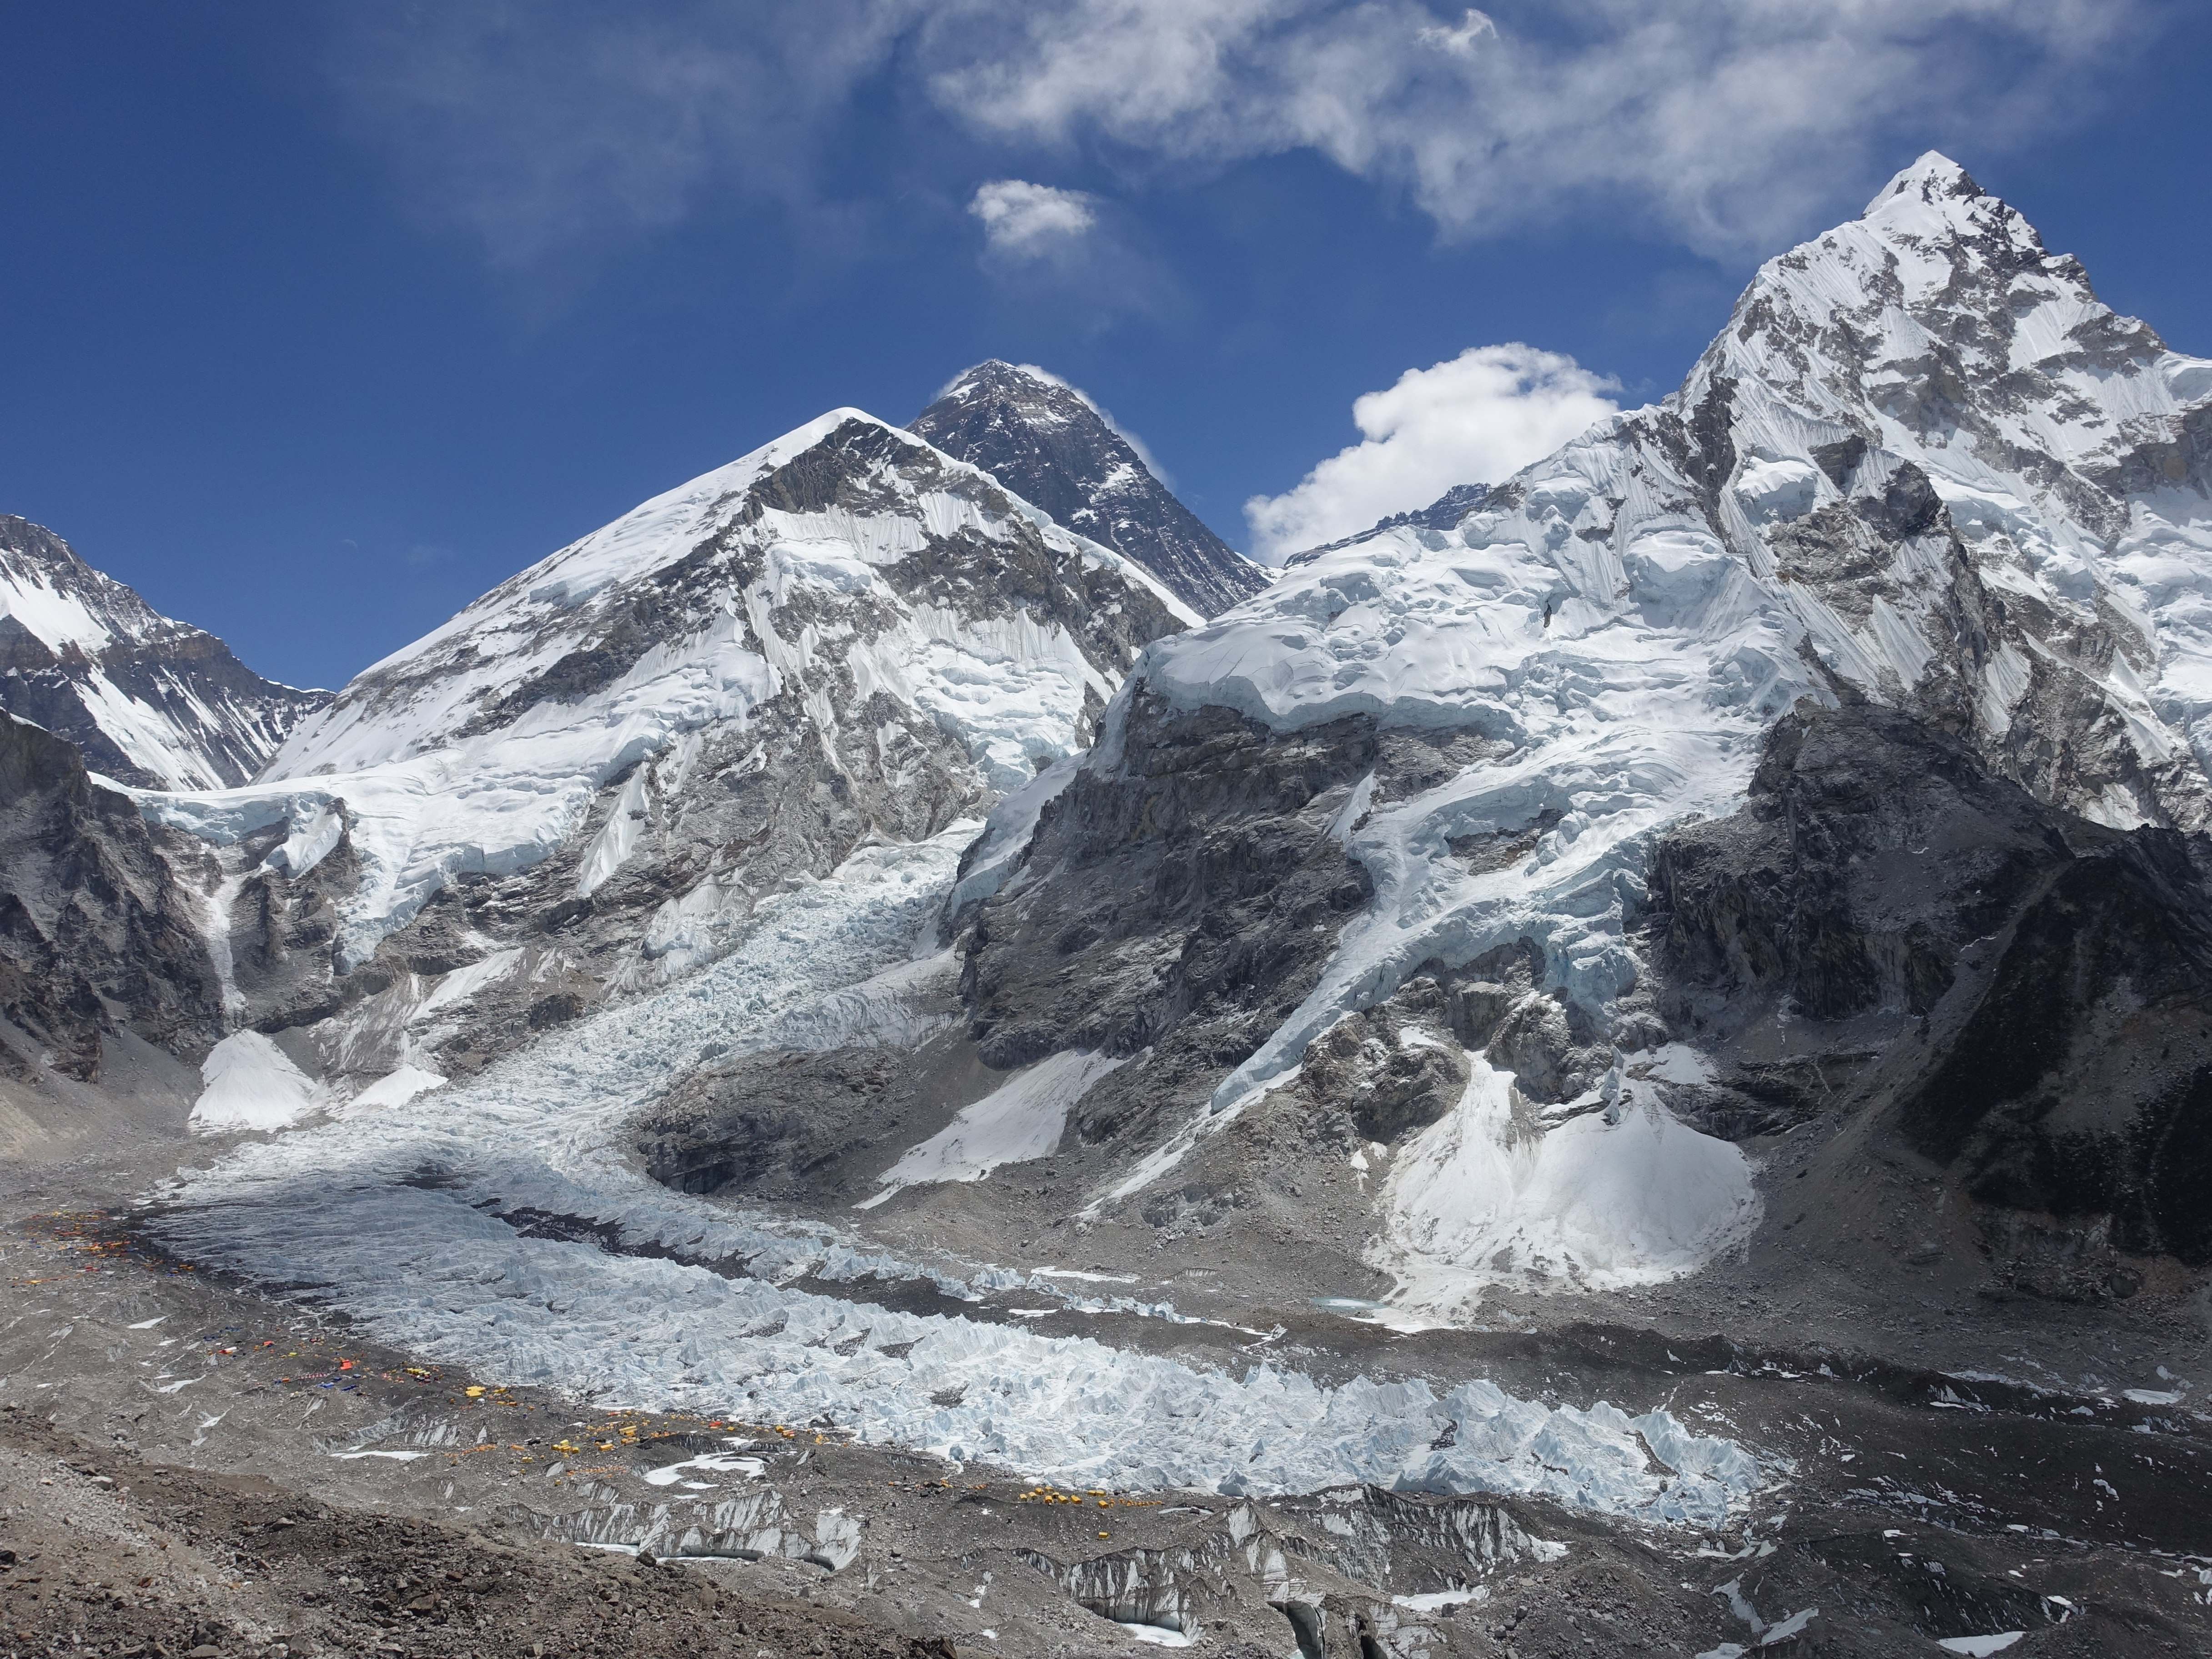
x=395, y=1217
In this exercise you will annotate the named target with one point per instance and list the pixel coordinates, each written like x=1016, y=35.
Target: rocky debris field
x=190, y=1466
x=106, y=1552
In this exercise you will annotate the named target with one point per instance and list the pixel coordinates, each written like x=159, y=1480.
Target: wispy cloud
x=539, y=125
x=1727, y=125
x=1722, y=123
x=1478, y=418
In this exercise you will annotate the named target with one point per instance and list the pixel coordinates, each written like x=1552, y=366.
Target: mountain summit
x=1048, y=444
x=150, y=701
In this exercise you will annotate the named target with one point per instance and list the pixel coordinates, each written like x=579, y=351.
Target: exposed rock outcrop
x=1047, y=442
x=2023, y=996
x=98, y=929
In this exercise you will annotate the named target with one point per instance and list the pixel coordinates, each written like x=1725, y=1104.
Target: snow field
x=1022, y=1119
x=395, y=1217
x=1610, y=1199
x=249, y=1083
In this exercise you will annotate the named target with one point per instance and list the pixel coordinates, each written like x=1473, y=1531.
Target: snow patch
x=1437, y=1600
x=249, y=1083
x=1616, y=1197
x=728, y=1462
x=1022, y=1119
x=1158, y=1635
x=396, y=1088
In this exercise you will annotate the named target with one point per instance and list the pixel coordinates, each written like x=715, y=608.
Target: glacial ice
x=344, y=1209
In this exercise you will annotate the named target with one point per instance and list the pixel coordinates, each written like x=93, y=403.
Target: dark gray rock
x=1045, y=441
x=1196, y=878
x=99, y=932
x=1391, y=1085
x=2018, y=994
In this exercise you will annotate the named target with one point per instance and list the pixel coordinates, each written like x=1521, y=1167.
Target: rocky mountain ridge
x=148, y=701
x=1048, y=443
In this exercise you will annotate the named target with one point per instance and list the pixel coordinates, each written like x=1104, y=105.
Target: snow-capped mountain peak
x=1922, y=468
x=2069, y=448
x=148, y=700
x=888, y=619
x=1047, y=442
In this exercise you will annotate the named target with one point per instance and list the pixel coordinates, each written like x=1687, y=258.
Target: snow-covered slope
x=150, y=701
x=1045, y=440
x=1921, y=467
x=600, y=767
x=1857, y=492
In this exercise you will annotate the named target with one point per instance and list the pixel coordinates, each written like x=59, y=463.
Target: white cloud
x=1727, y=123
x=1023, y=220
x=1478, y=418
x=1732, y=126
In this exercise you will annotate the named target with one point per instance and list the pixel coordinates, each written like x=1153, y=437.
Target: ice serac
x=588, y=779
x=1922, y=470
x=1442, y=513
x=1047, y=442
x=150, y=701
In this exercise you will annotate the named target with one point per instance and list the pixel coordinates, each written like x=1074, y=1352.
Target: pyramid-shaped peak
x=1934, y=178
x=996, y=378
x=1052, y=445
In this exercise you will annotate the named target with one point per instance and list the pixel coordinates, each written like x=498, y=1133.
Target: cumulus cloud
x=1024, y=221
x=1478, y=418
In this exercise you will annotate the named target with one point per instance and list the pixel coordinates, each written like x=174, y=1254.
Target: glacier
x=412, y=1219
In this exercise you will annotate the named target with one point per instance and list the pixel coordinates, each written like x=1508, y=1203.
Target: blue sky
x=317, y=320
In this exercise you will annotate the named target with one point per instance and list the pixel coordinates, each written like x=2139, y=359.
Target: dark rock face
x=1389, y=1084
x=1871, y=850
x=785, y=1122
x=1195, y=881
x=2079, y=1085
x=218, y=721
x=97, y=931
x=2025, y=997
x=1046, y=444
